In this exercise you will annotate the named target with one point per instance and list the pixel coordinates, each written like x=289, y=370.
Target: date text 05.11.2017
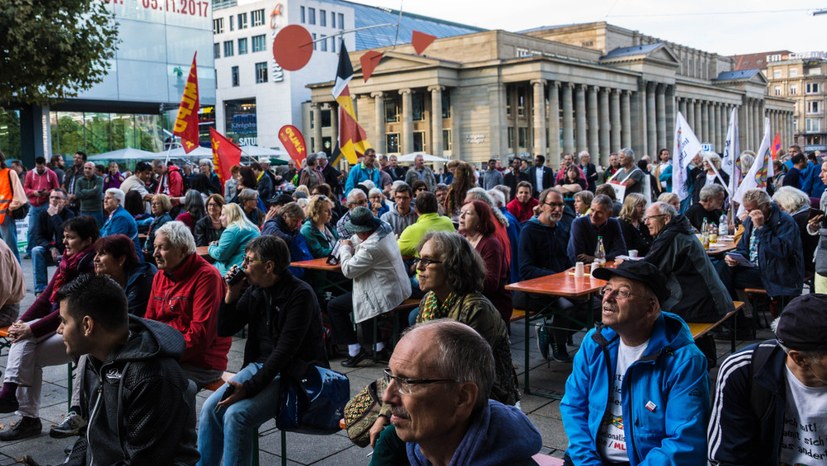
x=183, y=7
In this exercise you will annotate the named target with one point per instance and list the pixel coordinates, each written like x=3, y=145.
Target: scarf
x=432, y=309
x=68, y=270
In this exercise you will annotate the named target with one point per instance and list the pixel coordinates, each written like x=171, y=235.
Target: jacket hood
x=150, y=339
x=679, y=224
x=143, y=269
x=668, y=333
x=495, y=426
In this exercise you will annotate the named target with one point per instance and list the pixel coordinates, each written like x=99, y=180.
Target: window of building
x=776, y=74
x=228, y=48
x=523, y=137
x=793, y=89
x=323, y=43
x=333, y=19
x=261, y=72
x=230, y=21
x=315, y=44
x=509, y=100
x=812, y=88
x=257, y=17
x=242, y=21
x=446, y=139
x=303, y=15
x=446, y=104
x=258, y=43
x=341, y=20
x=322, y=17
x=392, y=109
x=235, y=77
x=813, y=106
x=793, y=72
x=327, y=121
x=815, y=71
x=242, y=46
x=311, y=16
x=521, y=98
x=218, y=25
x=216, y=50
x=511, y=137
x=777, y=90
x=418, y=104
x=333, y=44
x=392, y=141
x=240, y=120
x=419, y=141
x=813, y=125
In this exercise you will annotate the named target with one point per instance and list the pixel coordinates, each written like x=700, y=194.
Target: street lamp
x=822, y=11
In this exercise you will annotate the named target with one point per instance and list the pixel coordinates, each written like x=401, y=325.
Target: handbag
x=362, y=411
x=315, y=403
x=21, y=212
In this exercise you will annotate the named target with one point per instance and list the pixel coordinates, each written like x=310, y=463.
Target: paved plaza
x=305, y=449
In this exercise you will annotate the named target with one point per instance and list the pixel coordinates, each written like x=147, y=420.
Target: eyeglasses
x=405, y=385
x=646, y=219
x=247, y=260
x=623, y=293
x=360, y=202
x=425, y=262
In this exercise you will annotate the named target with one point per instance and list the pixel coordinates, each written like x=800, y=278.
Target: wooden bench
x=407, y=305
x=699, y=329
x=758, y=318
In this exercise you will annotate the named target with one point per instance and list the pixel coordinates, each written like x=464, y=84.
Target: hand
x=757, y=218
x=815, y=221
x=238, y=394
x=55, y=254
x=585, y=258
x=730, y=261
x=346, y=242
x=53, y=210
x=377, y=429
x=214, y=243
x=234, y=291
x=20, y=331
x=272, y=213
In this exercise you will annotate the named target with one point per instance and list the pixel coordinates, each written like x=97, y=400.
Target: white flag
x=732, y=151
x=685, y=149
x=761, y=169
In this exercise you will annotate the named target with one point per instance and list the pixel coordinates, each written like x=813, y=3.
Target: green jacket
x=476, y=311
x=411, y=236
x=317, y=242
x=89, y=193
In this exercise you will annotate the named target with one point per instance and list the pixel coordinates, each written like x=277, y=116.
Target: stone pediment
x=396, y=62
x=657, y=53
x=742, y=76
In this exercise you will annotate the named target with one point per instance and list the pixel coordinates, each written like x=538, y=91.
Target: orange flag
x=225, y=155
x=186, y=123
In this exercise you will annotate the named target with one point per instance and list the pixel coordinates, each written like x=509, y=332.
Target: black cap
x=640, y=271
x=803, y=324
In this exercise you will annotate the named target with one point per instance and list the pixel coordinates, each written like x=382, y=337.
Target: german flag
x=353, y=141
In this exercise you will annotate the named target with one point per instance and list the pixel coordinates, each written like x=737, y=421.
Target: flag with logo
x=731, y=151
x=685, y=149
x=186, y=123
x=225, y=155
x=761, y=170
x=776, y=145
x=352, y=137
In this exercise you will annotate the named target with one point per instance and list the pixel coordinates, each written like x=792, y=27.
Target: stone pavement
x=306, y=449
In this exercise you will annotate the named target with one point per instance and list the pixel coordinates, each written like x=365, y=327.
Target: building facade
x=594, y=87
x=802, y=77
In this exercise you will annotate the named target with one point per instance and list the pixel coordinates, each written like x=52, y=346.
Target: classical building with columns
x=551, y=90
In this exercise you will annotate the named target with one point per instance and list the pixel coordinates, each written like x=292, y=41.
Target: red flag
x=293, y=142
x=225, y=155
x=186, y=123
x=776, y=145
x=370, y=60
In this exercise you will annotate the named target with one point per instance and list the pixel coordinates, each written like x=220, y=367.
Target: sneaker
x=542, y=339
x=24, y=428
x=560, y=353
x=71, y=425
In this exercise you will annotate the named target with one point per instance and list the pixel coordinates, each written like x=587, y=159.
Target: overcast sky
x=722, y=26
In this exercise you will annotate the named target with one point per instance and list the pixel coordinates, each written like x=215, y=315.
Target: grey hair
x=119, y=194
x=665, y=208
x=353, y=194
x=712, y=158
x=248, y=193
x=582, y=153
x=292, y=209
x=604, y=201
x=628, y=152
x=746, y=160
x=667, y=197
x=497, y=196
x=480, y=194
x=758, y=197
x=586, y=197
x=711, y=191
x=311, y=158
x=179, y=235
x=463, y=356
x=464, y=267
x=206, y=162
x=791, y=199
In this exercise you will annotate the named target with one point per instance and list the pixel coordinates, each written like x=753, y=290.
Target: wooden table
x=203, y=251
x=721, y=247
x=317, y=264
x=700, y=329
x=563, y=284
x=333, y=279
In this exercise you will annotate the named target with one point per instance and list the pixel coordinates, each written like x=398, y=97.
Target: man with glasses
x=586, y=230
x=697, y=293
x=440, y=406
x=367, y=169
x=639, y=389
x=355, y=198
x=49, y=238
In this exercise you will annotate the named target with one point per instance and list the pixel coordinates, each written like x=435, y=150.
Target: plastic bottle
x=599, y=253
x=713, y=233
x=705, y=234
x=723, y=228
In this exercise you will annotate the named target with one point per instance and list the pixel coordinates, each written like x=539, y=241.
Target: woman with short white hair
x=711, y=173
x=797, y=203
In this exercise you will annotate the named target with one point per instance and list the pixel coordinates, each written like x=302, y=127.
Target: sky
x=725, y=27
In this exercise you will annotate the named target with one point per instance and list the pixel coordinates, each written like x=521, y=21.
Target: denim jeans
x=41, y=260
x=96, y=214
x=8, y=230
x=34, y=225
x=231, y=429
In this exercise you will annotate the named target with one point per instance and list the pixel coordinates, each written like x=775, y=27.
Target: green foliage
x=52, y=50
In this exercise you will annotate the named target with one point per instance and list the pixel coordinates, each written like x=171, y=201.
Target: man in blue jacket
x=365, y=170
x=118, y=220
x=639, y=390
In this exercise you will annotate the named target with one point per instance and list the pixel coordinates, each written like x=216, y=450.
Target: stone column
x=554, y=123
x=406, y=144
x=762, y=113
x=671, y=106
x=690, y=113
x=705, y=122
x=615, y=117
x=716, y=126
x=317, y=127
x=682, y=106
x=593, y=140
x=568, y=119
x=580, y=114
x=626, y=117
x=651, y=119
x=742, y=126
x=661, y=120
x=603, y=109
x=436, y=119
x=380, y=142
x=539, y=113
x=697, y=126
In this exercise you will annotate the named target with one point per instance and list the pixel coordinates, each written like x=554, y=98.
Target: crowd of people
x=156, y=268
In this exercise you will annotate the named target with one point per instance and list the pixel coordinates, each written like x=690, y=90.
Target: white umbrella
x=409, y=158
x=199, y=152
x=124, y=154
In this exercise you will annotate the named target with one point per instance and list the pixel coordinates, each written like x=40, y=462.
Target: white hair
x=117, y=193
x=179, y=235
x=206, y=162
x=497, y=196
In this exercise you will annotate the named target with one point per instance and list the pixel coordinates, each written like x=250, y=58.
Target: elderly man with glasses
x=355, y=198
x=639, y=389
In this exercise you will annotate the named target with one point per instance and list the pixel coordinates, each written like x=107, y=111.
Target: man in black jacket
x=540, y=176
x=770, y=404
x=285, y=337
x=49, y=238
x=140, y=405
x=513, y=177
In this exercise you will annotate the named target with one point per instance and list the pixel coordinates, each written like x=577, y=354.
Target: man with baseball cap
x=639, y=390
x=771, y=398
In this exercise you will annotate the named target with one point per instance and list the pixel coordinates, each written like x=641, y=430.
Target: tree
x=51, y=50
